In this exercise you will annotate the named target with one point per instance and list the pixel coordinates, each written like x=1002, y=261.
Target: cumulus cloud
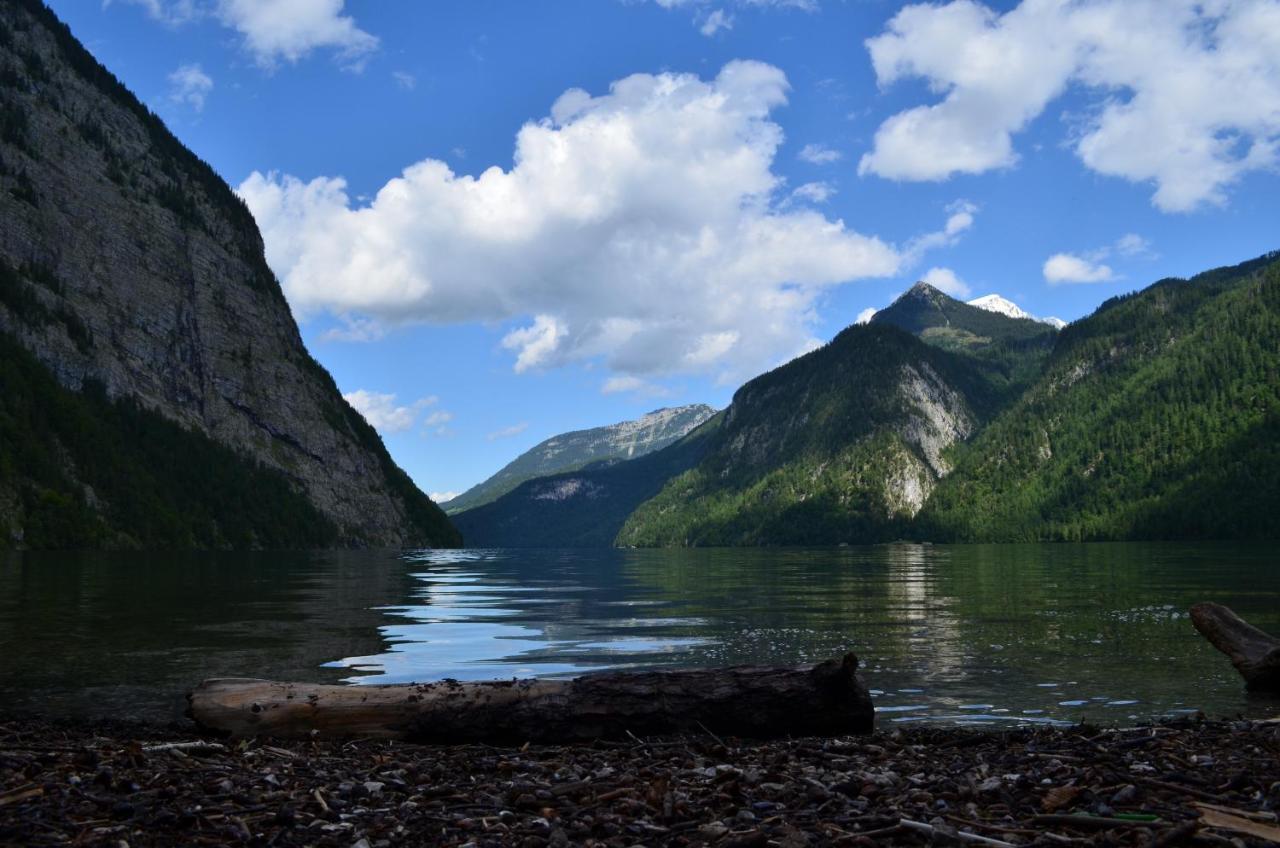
x=1186, y=94
x=508, y=432
x=1089, y=267
x=189, y=85
x=643, y=228
x=290, y=29
x=442, y=497
x=946, y=280
x=1069, y=268
x=382, y=412
x=819, y=154
x=865, y=316
x=275, y=30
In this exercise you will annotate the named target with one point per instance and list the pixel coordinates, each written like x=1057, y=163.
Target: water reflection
x=954, y=634
x=970, y=634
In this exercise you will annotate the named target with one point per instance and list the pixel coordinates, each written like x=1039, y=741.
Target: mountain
x=571, y=451
x=155, y=390
x=1156, y=417
x=844, y=444
x=941, y=320
x=584, y=508
x=1003, y=306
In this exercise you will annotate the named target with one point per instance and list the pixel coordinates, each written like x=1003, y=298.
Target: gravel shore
x=1192, y=782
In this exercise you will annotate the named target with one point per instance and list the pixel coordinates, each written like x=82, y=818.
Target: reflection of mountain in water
x=967, y=631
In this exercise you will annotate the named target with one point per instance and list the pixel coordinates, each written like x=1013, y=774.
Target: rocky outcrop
x=130, y=263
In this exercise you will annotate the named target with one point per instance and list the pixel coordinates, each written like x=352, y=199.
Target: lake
x=953, y=634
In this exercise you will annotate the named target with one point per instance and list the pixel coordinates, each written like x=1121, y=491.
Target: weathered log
x=1256, y=655
x=826, y=700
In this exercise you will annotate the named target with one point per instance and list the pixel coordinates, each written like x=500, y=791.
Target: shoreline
x=114, y=783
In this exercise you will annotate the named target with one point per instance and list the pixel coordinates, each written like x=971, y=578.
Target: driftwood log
x=1256, y=655
x=827, y=699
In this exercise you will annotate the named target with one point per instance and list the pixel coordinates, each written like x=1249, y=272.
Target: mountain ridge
x=576, y=449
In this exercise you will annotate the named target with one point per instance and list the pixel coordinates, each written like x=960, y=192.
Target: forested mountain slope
x=135, y=276
x=1156, y=417
x=843, y=444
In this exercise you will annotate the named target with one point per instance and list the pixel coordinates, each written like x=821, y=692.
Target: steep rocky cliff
x=129, y=266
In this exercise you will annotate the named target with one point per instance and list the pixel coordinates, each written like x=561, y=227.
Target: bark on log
x=1256, y=655
x=826, y=699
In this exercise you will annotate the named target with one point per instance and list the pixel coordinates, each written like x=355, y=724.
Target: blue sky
x=615, y=205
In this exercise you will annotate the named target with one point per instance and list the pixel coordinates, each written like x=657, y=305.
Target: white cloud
x=1132, y=244
x=819, y=154
x=437, y=418
x=634, y=385
x=644, y=228
x=405, y=80
x=172, y=13
x=355, y=329
x=1186, y=93
x=441, y=497
x=273, y=30
x=717, y=20
x=189, y=85
x=508, y=432
x=865, y=316
x=381, y=411
x=960, y=220
x=1069, y=268
x=290, y=29
x=819, y=192
x=945, y=280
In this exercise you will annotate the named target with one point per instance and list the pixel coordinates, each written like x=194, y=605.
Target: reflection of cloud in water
x=956, y=634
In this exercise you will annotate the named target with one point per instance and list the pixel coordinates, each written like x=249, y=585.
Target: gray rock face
x=571, y=451
x=150, y=278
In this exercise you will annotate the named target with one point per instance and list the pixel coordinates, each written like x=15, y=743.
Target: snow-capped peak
x=1004, y=306
x=996, y=303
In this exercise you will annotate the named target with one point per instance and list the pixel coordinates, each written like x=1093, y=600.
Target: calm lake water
x=992, y=634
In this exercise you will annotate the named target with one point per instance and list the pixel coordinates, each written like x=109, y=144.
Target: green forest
x=90, y=472
x=1156, y=418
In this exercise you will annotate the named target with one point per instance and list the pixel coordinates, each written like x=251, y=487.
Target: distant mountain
x=1158, y=416
x=574, y=450
x=154, y=389
x=996, y=303
x=583, y=508
x=941, y=320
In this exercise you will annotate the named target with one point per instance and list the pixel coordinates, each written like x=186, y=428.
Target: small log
x=1256, y=655
x=825, y=700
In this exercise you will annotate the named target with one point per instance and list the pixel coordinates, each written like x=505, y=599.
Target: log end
x=1255, y=654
